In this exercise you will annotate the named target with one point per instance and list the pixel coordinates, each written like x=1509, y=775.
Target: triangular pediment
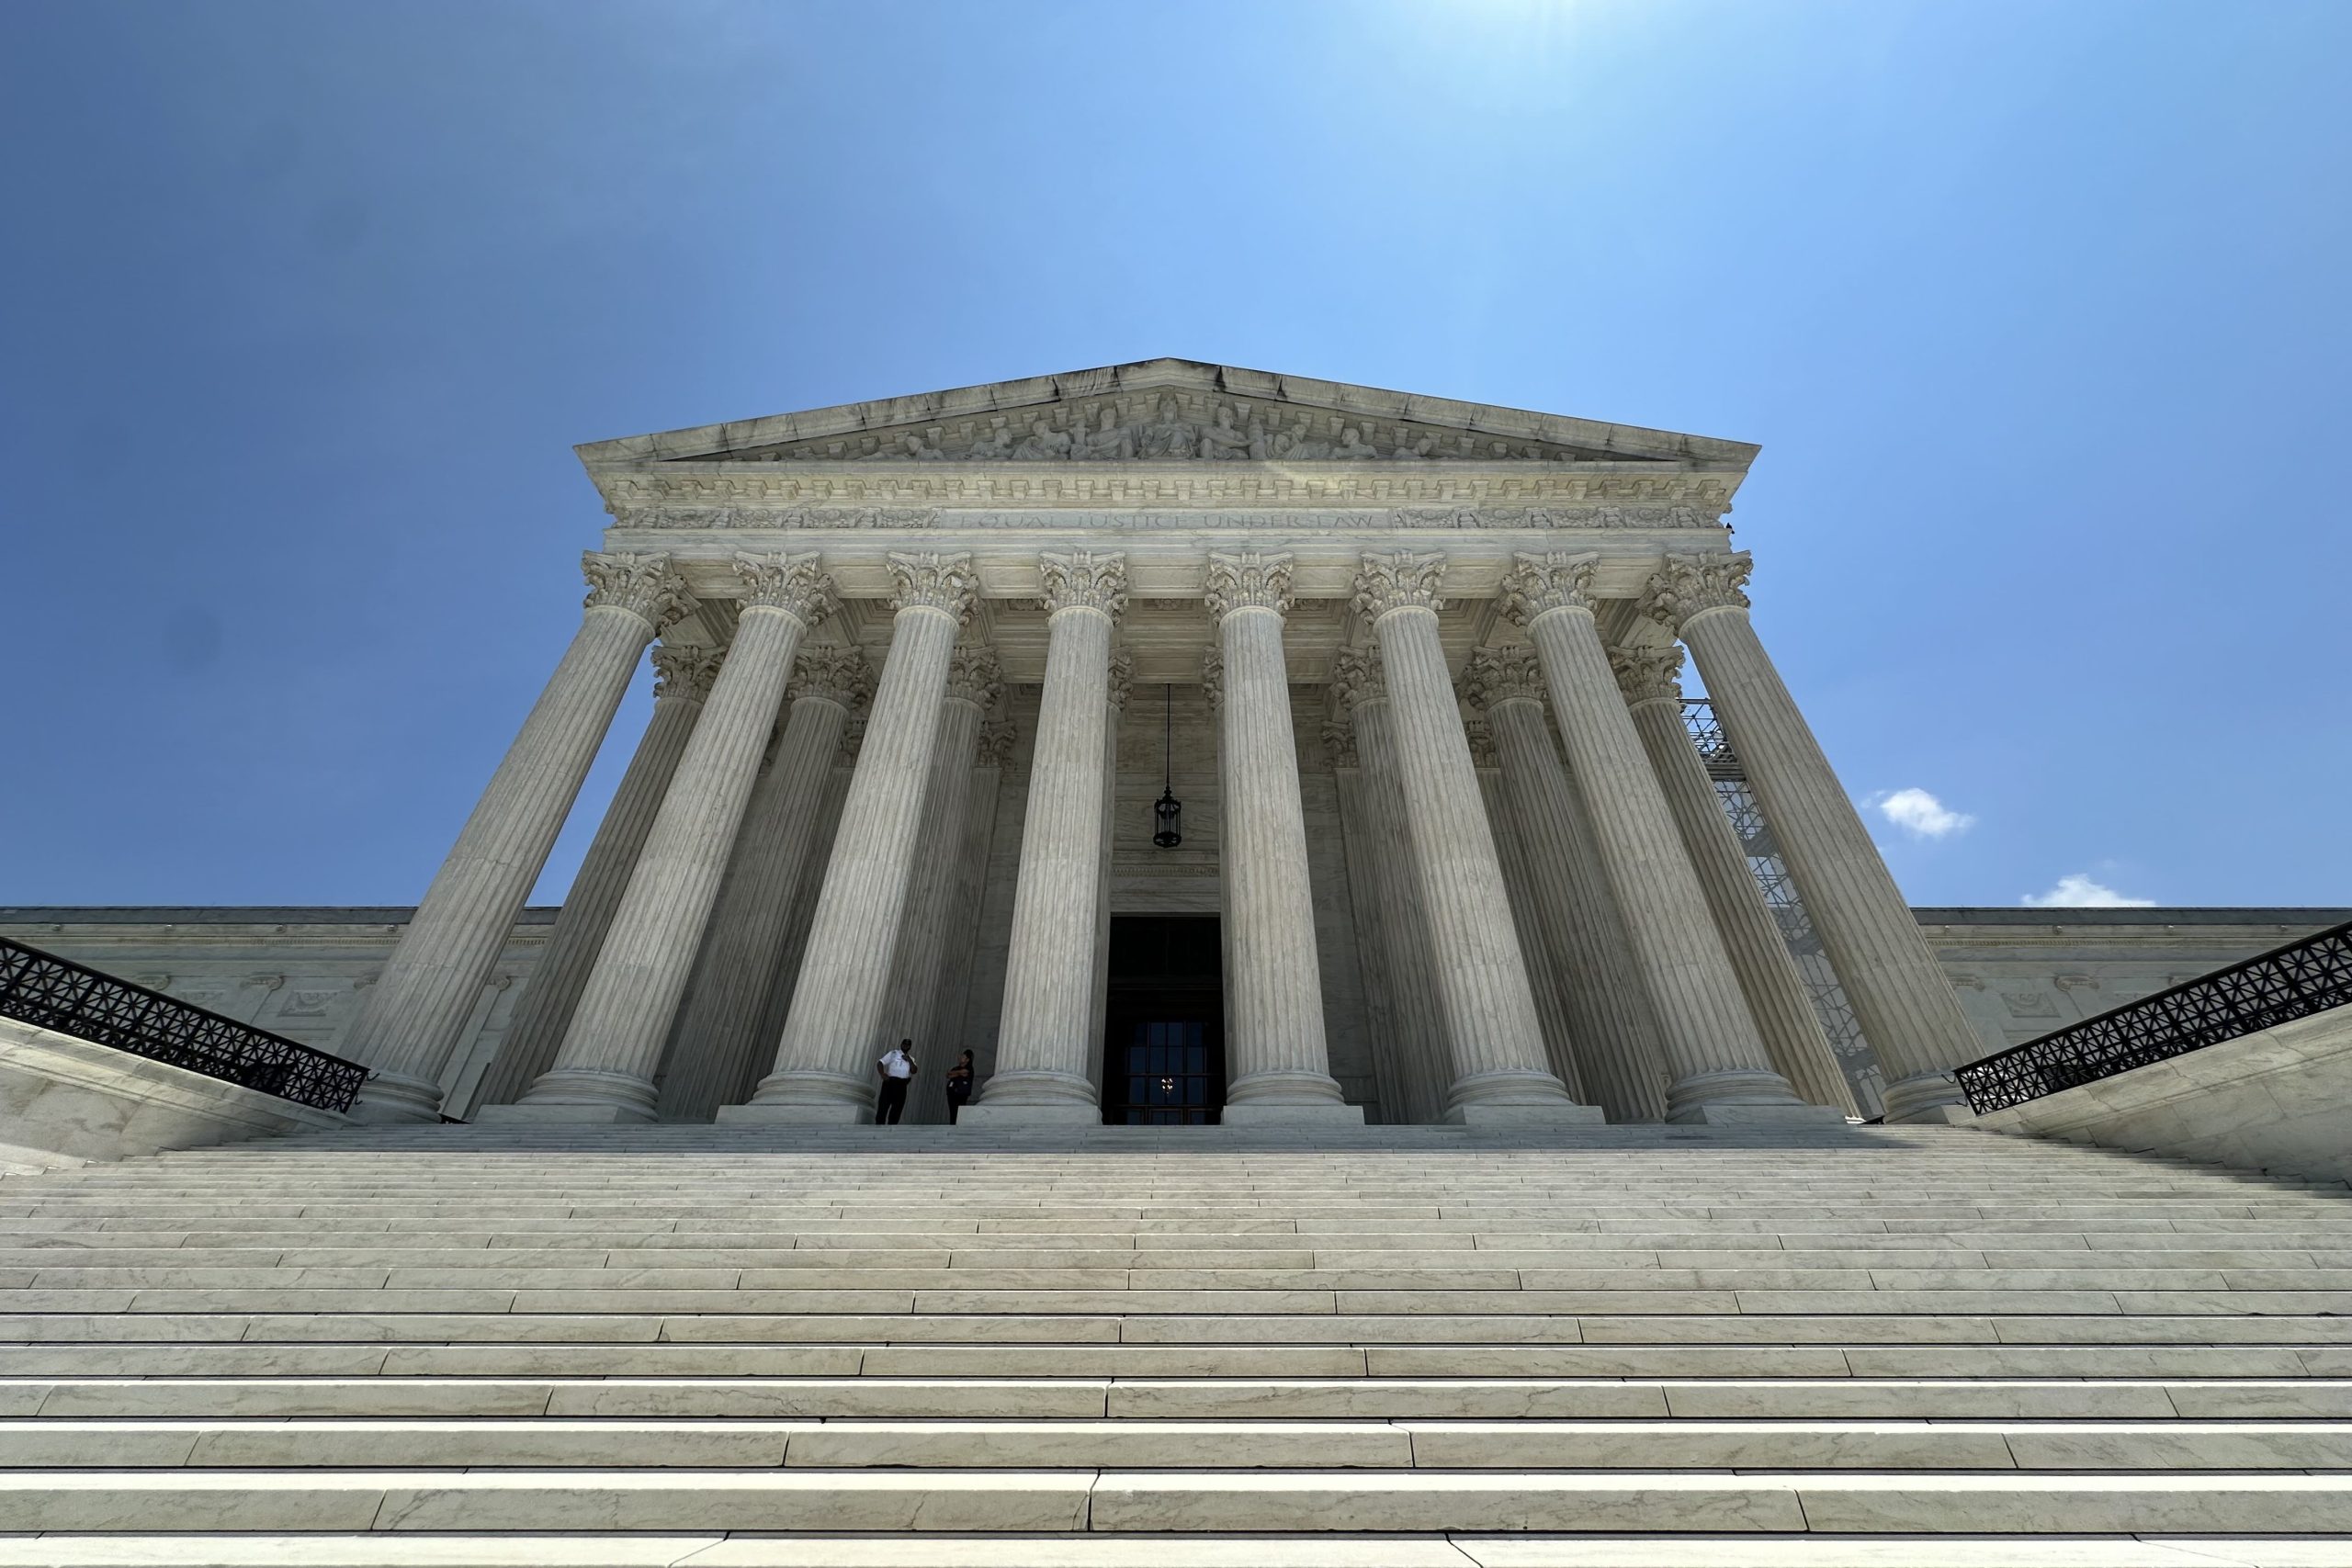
x=1168, y=410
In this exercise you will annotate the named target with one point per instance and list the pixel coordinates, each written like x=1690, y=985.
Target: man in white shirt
x=897, y=1065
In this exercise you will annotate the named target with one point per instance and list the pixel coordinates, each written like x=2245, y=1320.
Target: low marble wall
x=2279, y=1102
x=65, y=1101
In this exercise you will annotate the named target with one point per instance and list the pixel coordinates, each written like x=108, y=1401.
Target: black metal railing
x=2285, y=984
x=43, y=990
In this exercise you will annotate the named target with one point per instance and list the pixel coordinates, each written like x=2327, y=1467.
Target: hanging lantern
x=1166, y=812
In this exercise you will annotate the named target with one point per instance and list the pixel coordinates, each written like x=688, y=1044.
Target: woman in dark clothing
x=959, y=1085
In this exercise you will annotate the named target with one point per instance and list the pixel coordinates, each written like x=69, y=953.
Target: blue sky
x=2038, y=311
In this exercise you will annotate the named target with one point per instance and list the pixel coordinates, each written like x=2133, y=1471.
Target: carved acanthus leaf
x=1481, y=736
x=996, y=743
x=933, y=580
x=836, y=674
x=1123, y=678
x=1213, y=678
x=1088, y=580
x=1398, y=579
x=1684, y=585
x=793, y=583
x=1552, y=580
x=1248, y=580
x=1503, y=675
x=1648, y=674
x=642, y=584
x=1340, y=740
x=972, y=677
x=684, y=670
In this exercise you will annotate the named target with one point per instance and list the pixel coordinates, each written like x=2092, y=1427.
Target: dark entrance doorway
x=1163, y=1052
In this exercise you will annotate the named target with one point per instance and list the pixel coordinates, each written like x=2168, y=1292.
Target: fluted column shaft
x=1424, y=1060
x=1365, y=909
x=1899, y=993
x=1722, y=1071
x=717, y=1032
x=544, y=1011
x=604, y=1070
x=1542, y=966
x=1500, y=1068
x=1046, y=1028
x=913, y=1009
x=971, y=886
x=786, y=981
x=1122, y=674
x=1277, y=1059
x=1609, y=1015
x=824, y=1063
x=414, y=1014
x=1776, y=993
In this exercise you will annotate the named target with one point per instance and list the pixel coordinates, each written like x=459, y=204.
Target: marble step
x=1130, y=1501
x=1518, y=1445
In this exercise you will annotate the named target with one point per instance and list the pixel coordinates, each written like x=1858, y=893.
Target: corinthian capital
x=1398, y=579
x=791, y=583
x=1339, y=740
x=1213, y=678
x=972, y=677
x=1123, y=679
x=1503, y=675
x=1356, y=677
x=681, y=670
x=1085, y=580
x=1552, y=580
x=836, y=674
x=1684, y=585
x=996, y=744
x=931, y=580
x=1481, y=736
x=1648, y=674
x=643, y=585
x=1248, y=580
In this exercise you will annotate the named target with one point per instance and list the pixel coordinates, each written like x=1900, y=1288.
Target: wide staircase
x=1181, y=1348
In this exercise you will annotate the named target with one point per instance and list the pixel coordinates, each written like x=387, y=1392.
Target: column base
x=797, y=1113
x=396, y=1098
x=1554, y=1113
x=1029, y=1113
x=1291, y=1113
x=578, y=1094
x=1927, y=1096
x=1756, y=1116
x=549, y=1113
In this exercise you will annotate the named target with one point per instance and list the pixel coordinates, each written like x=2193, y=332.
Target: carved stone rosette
x=793, y=583
x=837, y=674
x=1684, y=585
x=1355, y=678
x=1248, y=580
x=1123, y=678
x=1398, y=579
x=1503, y=675
x=1648, y=674
x=683, y=670
x=928, y=579
x=972, y=677
x=1088, y=580
x=642, y=584
x=1552, y=580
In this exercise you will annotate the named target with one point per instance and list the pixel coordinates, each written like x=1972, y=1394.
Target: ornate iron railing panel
x=49, y=992
x=2278, y=987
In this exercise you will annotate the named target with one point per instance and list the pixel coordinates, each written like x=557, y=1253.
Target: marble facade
x=899, y=779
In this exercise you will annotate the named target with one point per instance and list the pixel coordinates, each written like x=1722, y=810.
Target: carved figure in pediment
x=1261, y=444
x=1170, y=434
x=990, y=444
x=1219, y=441
x=1353, y=446
x=1109, y=441
x=1416, y=451
x=1298, y=444
x=1043, y=443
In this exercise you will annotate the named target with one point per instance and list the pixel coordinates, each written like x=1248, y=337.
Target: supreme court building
x=1190, y=743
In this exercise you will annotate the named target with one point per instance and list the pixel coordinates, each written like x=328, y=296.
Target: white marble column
x=1123, y=669
x=1277, y=1060
x=1722, y=1071
x=1776, y=993
x=974, y=684
x=1607, y=1012
x=1519, y=887
x=1364, y=906
x=971, y=887
x=604, y=1070
x=1501, y=1072
x=1898, y=991
x=824, y=1063
x=1046, y=1030
x=717, y=1030
x=1400, y=928
x=412, y=1017
x=544, y=1011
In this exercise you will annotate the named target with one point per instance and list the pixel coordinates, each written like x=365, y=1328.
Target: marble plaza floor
x=913, y=1347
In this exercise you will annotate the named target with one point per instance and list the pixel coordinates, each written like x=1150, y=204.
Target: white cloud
x=1921, y=815
x=2078, y=891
